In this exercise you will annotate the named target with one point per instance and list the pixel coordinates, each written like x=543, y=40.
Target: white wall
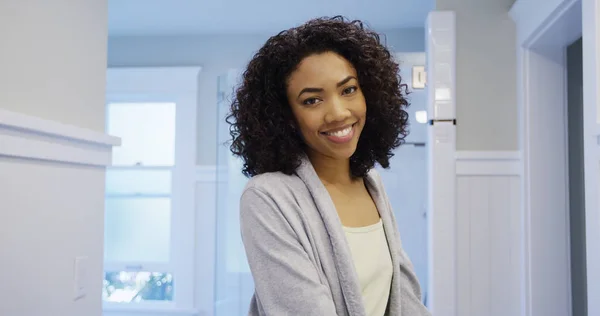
x=52, y=61
x=50, y=57
x=486, y=104
x=216, y=54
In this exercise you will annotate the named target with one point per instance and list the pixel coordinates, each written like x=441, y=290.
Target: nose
x=338, y=111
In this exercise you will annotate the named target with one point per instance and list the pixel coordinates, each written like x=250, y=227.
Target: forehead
x=320, y=70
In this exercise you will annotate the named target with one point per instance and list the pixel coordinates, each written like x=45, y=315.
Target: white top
x=373, y=263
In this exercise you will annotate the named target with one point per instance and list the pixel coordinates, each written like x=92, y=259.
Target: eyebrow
x=339, y=84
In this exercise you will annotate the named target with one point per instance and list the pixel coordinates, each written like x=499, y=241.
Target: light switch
x=80, y=278
x=419, y=77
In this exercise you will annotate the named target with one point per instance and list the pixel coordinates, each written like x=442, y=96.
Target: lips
x=340, y=135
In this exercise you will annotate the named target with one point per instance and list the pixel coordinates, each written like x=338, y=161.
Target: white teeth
x=341, y=133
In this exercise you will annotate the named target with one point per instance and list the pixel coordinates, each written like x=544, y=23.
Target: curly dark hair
x=262, y=123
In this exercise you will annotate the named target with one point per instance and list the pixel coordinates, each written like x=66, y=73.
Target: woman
x=318, y=106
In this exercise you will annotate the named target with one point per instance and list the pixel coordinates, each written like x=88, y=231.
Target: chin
x=342, y=154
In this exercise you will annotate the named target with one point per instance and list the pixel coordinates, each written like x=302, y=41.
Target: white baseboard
x=488, y=163
x=27, y=137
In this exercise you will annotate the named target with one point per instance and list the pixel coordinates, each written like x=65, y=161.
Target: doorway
x=560, y=155
x=576, y=177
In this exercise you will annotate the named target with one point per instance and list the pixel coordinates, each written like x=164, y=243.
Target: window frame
x=180, y=86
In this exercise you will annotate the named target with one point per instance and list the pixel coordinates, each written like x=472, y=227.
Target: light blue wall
x=217, y=54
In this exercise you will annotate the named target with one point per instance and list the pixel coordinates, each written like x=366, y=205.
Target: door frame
x=544, y=29
x=441, y=133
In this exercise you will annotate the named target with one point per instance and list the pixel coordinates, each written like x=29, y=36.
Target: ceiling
x=183, y=17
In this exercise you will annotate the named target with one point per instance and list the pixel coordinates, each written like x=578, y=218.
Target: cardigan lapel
x=341, y=251
x=342, y=254
x=385, y=211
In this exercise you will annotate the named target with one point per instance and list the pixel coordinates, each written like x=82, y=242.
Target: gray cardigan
x=298, y=254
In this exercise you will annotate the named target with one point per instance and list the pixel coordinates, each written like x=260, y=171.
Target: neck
x=332, y=171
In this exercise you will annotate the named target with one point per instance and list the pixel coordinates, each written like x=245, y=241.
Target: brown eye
x=350, y=90
x=310, y=101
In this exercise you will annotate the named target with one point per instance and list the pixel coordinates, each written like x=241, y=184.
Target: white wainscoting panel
x=52, y=179
x=489, y=222
x=27, y=137
x=488, y=163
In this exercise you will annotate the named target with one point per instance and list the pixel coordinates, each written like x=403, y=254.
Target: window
x=138, y=203
x=149, y=192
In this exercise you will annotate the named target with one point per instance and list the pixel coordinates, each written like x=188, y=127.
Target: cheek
x=308, y=127
x=308, y=122
x=361, y=108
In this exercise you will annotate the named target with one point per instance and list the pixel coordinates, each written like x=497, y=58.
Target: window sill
x=127, y=310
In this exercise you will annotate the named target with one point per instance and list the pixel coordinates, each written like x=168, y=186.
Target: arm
x=411, y=290
x=285, y=279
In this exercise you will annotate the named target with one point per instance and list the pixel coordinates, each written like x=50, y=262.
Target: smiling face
x=328, y=104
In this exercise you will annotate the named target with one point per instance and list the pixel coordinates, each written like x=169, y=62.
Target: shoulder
x=376, y=185
x=273, y=183
x=275, y=187
x=375, y=178
x=270, y=201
